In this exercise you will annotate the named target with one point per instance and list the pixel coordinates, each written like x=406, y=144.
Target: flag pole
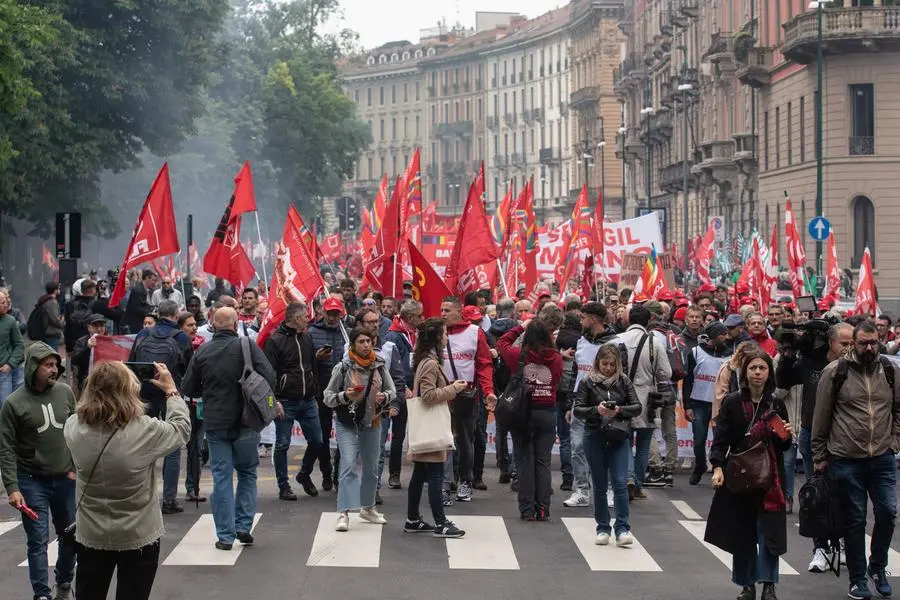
x=259, y=235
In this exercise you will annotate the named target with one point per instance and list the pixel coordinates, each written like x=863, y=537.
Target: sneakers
x=624, y=539
x=394, y=482
x=343, y=522
x=859, y=591
x=514, y=484
x=287, y=494
x=244, y=538
x=479, y=484
x=610, y=499
x=695, y=478
x=768, y=592
x=567, y=482
x=655, y=479
x=579, y=498
x=448, y=530
x=748, y=592
x=171, y=508
x=602, y=539
x=417, y=526
x=819, y=563
x=880, y=582
x=372, y=516
x=504, y=478
x=263, y=451
x=223, y=546
x=669, y=478
x=541, y=513
x=453, y=485
x=640, y=494
x=306, y=482
x=447, y=498
x=192, y=497
x=326, y=483
x=464, y=492
x=63, y=591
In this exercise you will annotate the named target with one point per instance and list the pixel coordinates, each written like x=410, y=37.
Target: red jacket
x=767, y=343
x=484, y=364
x=543, y=395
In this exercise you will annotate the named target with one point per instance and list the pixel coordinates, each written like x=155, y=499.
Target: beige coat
x=432, y=386
x=722, y=387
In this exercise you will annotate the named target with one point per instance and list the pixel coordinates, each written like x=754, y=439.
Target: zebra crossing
x=492, y=543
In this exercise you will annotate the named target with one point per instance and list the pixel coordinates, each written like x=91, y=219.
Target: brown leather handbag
x=751, y=469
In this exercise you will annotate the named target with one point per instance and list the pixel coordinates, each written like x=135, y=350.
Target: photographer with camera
x=805, y=352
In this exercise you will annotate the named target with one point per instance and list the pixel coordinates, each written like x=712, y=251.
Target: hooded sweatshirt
x=542, y=368
x=31, y=425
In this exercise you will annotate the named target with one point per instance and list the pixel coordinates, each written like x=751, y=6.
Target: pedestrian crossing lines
x=196, y=547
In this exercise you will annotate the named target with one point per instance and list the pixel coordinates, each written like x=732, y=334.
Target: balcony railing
x=585, y=97
x=460, y=128
x=862, y=145
x=755, y=72
x=844, y=30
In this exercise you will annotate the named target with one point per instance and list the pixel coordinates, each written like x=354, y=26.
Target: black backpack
x=513, y=410
x=79, y=317
x=843, y=368
x=821, y=516
x=163, y=348
x=38, y=321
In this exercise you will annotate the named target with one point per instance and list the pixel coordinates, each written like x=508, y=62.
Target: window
x=802, y=128
x=406, y=55
x=394, y=129
x=417, y=91
x=862, y=119
x=356, y=96
x=418, y=54
x=382, y=59
x=405, y=127
x=790, y=136
x=370, y=172
x=433, y=114
x=480, y=110
x=406, y=92
x=417, y=126
x=431, y=52
x=468, y=111
x=381, y=95
x=777, y=137
x=393, y=94
x=368, y=96
x=395, y=57
x=863, y=229
x=381, y=137
x=766, y=140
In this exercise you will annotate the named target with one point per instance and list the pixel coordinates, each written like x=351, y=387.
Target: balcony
x=499, y=160
x=625, y=25
x=458, y=129
x=527, y=116
x=492, y=122
x=862, y=146
x=717, y=159
x=662, y=131
x=454, y=170
x=538, y=115
x=546, y=156
x=688, y=8
x=634, y=147
x=510, y=119
x=479, y=85
x=585, y=97
x=619, y=87
x=515, y=158
x=844, y=30
x=432, y=92
x=665, y=23
x=620, y=146
x=721, y=53
x=671, y=177
x=755, y=72
x=564, y=109
x=431, y=170
x=676, y=17
x=745, y=152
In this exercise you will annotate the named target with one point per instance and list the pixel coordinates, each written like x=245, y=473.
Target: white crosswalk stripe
x=634, y=558
x=358, y=547
x=197, y=547
x=698, y=528
x=486, y=545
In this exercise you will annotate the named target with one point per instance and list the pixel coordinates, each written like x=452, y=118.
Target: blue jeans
x=10, y=382
x=306, y=414
x=756, y=564
x=608, y=462
x=857, y=481
x=385, y=429
x=565, y=446
x=49, y=497
x=580, y=467
x=638, y=461
x=229, y=451
x=53, y=342
x=700, y=427
x=790, y=462
x=355, y=490
x=170, y=473
x=196, y=434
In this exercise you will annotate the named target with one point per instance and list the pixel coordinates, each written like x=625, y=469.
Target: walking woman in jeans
x=751, y=526
x=532, y=447
x=115, y=447
x=606, y=402
x=431, y=385
x=361, y=392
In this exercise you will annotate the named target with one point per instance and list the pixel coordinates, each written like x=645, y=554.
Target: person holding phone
x=751, y=526
x=361, y=392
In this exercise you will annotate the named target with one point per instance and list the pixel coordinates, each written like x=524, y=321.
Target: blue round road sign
x=819, y=228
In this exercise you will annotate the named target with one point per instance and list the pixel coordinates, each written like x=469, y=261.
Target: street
x=298, y=555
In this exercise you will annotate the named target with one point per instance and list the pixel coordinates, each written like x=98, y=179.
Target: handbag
x=513, y=410
x=751, y=469
x=429, y=428
x=465, y=401
x=68, y=534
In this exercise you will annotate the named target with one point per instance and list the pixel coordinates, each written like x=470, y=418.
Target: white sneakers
x=624, y=539
x=578, y=498
x=602, y=539
x=343, y=522
x=610, y=498
x=372, y=516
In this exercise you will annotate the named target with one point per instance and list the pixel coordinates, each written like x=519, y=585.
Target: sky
x=380, y=21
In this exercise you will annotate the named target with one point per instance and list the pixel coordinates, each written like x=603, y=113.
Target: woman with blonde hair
x=115, y=446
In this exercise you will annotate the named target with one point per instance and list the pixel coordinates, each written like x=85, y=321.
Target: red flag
x=428, y=216
x=770, y=270
x=379, y=206
x=411, y=191
x=367, y=235
x=308, y=236
x=795, y=253
x=474, y=245
x=865, y=289
x=704, y=253
x=428, y=287
x=597, y=234
x=587, y=278
x=154, y=233
x=528, y=239
x=296, y=277
x=832, y=290
x=500, y=221
x=580, y=238
x=244, y=198
x=332, y=246
x=384, y=270
x=752, y=274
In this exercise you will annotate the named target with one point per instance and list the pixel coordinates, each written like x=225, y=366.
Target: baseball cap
x=680, y=314
x=472, y=314
x=333, y=303
x=734, y=320
x=665, y=295
x=715, y=329
x=95, y=318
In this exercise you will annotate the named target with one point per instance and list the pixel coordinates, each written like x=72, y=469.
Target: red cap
x=471, y=313
x=681, y=301
x=742, y=287
x=640, y=297
x=665, y=295
x=824, y=304
x=707, y=287
x=680, y=314
x=331, y=303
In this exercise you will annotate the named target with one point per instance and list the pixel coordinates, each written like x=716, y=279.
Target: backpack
x=513, y=410
x=843, y=368
x=38, y=321
x=162, y=348
x=259, y=401
x=821, y=516
x=78, y=319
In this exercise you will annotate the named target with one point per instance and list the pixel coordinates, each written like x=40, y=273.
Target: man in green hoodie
x=37, y=467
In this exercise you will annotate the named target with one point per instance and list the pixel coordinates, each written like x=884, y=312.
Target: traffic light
x=352, y=214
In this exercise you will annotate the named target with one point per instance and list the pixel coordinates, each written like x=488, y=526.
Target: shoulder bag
x=513, y=410
x=429, y=428
x=751, y=469
x=68, y=534
x=465, y=401
x=259, y=401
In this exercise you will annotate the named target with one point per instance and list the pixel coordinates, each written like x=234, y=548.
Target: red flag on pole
x=704, y=253
x=383, y=271
x=866, y=304
x=244, y=198
x=795, y=252
x=428, y=287
x=154, y=233
x=580, y=238
x=832, y=290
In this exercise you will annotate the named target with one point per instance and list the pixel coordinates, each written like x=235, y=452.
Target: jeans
x=859, y=480
x=670, y=436
x=790, y=461
x=532, y=450
x=170, y=474
x=580, y=466
x=480, y=441
x=10, y=382
x=754, y=564
x=637, y=461
x=306, y=413
x=51, y=498
x=432, y=473
x=229, y=451
x=137, y=571
x=700, y=427
x=608, y=460
x=195, y=445
x=464, y=432
x=398, y=435
x=565, y=446
x=326, y=420
x=53, y=342
x=385, y=429
x=355, y=490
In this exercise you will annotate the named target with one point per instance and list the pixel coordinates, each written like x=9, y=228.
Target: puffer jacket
x=862, y=420
x=591, y=393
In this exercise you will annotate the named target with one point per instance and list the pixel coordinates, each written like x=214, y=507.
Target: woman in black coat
x=751, y=526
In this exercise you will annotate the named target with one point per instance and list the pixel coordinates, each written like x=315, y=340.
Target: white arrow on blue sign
x=819, y=228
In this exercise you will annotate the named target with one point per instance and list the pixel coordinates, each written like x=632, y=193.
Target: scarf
x=408, y=330
x=363, y=362
x=773, y=499
x=597, y=377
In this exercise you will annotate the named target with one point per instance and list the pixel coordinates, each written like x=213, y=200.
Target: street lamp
x=819, y=7
x=543, y=196
x=648, y=111
x=623, y=131
x=685, y=89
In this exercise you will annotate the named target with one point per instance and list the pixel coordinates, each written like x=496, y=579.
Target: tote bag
x=428, y=427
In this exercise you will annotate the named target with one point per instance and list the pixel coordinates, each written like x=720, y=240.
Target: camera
x=809, y=338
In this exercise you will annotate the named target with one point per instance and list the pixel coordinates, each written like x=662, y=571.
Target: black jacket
x=214, y=375
x=72, y=329
x=137, y=308
x=292, y=357
x=81, y=360
x=322, y=335
x=804, y=371
x=590, y=394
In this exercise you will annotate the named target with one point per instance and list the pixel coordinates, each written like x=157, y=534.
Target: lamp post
x=819, y=6
x=685, y=88
x=623, y=131
x=648, y=111
x=602, y=146
x=543, y=195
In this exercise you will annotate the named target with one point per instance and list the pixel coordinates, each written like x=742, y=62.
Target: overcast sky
x=380, y=21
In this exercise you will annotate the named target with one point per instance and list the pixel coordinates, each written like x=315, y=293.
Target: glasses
x=868, y=343
x=370, y=321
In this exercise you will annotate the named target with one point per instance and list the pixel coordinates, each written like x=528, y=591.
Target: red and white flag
x=832, y=291
x=704, y=253
x=154, y=234
x=770, y=270
x=226, y=257
x=795, y=253
x=866, y=304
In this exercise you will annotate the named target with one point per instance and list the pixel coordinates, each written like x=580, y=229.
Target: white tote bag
x=428, y=427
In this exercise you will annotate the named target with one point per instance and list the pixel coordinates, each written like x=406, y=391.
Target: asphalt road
x=299, y=556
